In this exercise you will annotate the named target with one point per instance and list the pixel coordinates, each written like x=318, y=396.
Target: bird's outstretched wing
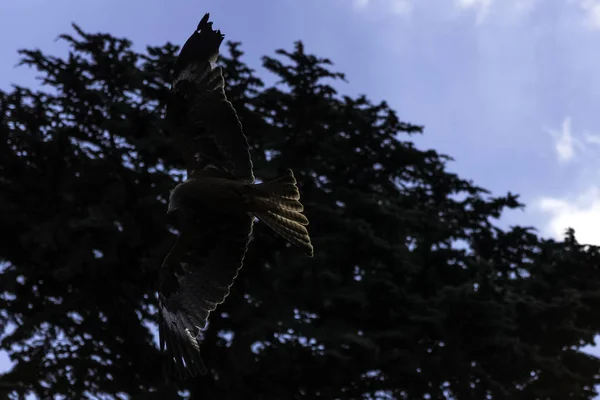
x=196, y=276
x=203, y=122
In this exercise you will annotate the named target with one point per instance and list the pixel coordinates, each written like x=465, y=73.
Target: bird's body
x=218, y=201
x=210, y=193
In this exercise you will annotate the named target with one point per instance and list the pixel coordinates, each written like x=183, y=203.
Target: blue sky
x=508, y=88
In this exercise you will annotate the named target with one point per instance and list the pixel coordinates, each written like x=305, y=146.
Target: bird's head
x=171, y=207
x=174, y=200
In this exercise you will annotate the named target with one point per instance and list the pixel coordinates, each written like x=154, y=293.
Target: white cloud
x=360, y=4
x=591, y=138
x=524, y=7
x=401, y=7
x=564, y=142
x=591, y=10
x=481, y=7
x=398, y=7
x=506, y=9
x=581, y=213
x=581, y=209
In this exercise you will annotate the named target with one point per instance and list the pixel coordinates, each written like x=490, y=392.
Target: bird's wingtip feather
x=205, y=24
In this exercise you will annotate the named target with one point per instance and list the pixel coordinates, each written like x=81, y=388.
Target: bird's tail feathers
x=283, y=211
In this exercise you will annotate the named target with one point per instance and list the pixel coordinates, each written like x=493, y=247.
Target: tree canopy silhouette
x=414, y=292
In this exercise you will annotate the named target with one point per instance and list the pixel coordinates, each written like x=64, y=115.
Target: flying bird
x=216, y=204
